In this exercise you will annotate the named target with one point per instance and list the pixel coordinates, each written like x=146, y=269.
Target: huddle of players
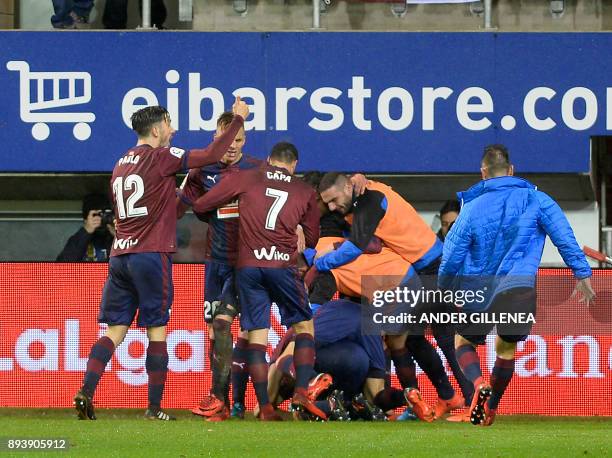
x=258, y=255
x=256, y=260
x=237, y=176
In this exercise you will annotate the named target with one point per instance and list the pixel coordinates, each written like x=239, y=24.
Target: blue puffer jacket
x=500, y=234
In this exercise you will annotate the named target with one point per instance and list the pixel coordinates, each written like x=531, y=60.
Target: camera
x=107, y=216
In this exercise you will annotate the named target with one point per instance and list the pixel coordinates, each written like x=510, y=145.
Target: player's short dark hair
x=331, y=179
x=225, y=119
x=450, y=206
x=496, y=159
x=284, y=152
x=144, y=119
x=333, y=225
x=94, y=202
x=313, y=178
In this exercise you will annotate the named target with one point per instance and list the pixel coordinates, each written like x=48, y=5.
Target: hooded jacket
x=499, y=237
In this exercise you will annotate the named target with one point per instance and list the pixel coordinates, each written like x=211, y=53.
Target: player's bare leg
x=303, y=359
x=99, y=356
x=157, y=370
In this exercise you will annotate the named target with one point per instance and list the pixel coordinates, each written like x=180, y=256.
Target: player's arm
x=555, y=224
x=310, y=222
x=214, y=152
x=370, y=210
x=226, y=191
x=191, y=189
x=456, y=247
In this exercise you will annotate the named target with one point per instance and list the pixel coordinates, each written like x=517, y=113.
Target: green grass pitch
x=122, y=433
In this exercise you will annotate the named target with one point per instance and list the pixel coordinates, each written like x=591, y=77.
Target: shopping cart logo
x=35, y=108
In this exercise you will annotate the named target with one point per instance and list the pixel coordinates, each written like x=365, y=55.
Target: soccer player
x=272, y=203
x=221, y=304
x=355, y=361
x=500, y=234
x=140, y=267
x=383, y=213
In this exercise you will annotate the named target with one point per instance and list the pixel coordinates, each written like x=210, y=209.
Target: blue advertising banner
x=371, y=102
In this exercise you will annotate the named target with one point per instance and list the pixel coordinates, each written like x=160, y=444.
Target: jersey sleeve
x=170, y=160
x=226, y=191
x=191, y=188
x=310, y=222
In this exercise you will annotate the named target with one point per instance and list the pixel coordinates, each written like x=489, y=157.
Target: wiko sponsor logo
x=122, y=244
x=272, y=255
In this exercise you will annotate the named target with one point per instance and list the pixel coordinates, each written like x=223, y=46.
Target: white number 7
x=280, y=197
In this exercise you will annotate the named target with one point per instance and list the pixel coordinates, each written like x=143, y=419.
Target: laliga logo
x=39, y=349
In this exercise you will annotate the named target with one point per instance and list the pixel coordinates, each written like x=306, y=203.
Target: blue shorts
x=347, y=363
x=258, y=287
x=340, y=320
x=219, y=288
x=515, y=300
x=138, y=281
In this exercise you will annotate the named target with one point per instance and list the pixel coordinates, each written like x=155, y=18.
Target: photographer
x=93, y=241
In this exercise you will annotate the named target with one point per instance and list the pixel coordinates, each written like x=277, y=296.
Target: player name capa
x=122, y=244
x=129, y=159
x=279, y=176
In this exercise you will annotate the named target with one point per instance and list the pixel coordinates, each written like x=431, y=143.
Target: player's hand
x=586, y=291
x=240, y=108
x=301, y=239
x=359, y=183
x=93, y=221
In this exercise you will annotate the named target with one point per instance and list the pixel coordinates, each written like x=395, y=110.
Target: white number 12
x=280, y=197
x=131, y=182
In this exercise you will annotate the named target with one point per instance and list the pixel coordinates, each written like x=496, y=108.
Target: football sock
x=390, y=398
x=100, y=354
x=258, y=368
x=303, y=359
x=405, y=368
x=240, y=370
x=211, y=350
x=222, y=358
x=446, y=342
x=429, y=360
x=500, y=378
x=157, y=370
x=470, y=363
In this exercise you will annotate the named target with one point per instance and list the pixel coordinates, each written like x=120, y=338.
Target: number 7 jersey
x=144, y=194
x=272, y=204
